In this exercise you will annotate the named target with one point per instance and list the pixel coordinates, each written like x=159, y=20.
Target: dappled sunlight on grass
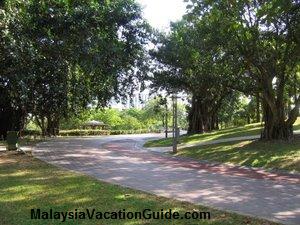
x=16, y=174
x=276, y=154
x=253, y=129
x=29, y=183
x=247, y=130
x=226, y=133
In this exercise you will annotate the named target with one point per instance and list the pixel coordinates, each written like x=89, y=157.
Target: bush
x=83, y=132
x=30, y=133
x=104, y=132
x=65, y=133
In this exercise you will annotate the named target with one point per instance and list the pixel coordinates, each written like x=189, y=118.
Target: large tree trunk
x=257, y=111
x=52, y=125
x=276, y=126
x=248, y=119
x=40, y=120
x=49, y=125
x=11, y=118
x=277, y=129
x=195, y=117
x=214, y=122
x=201, y=118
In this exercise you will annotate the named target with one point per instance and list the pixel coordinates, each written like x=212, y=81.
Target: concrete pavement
x=121, y=160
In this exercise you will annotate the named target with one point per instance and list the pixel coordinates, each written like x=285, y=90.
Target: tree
x=260, y=40
x=12, y=111
x=188, y=62
x=158, y=109
x=78, y=52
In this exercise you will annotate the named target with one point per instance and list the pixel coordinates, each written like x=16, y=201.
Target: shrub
x=65, y=133
x=104, y=132
x=31, y=133
x=83, y=132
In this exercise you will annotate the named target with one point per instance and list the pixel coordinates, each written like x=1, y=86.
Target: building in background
x=138, y=101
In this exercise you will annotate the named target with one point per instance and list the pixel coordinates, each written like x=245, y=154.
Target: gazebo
x=93, y=124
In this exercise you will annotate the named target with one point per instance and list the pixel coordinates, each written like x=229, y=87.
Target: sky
x=160, y=13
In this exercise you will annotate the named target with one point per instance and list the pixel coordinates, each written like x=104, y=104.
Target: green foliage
x=129, y=122
x=258, y=50
x=58, y=56
x=224, y=46
x=108, y=116
x=83, y=132
x=28, y=132
x=152, y=117
x=187, y=61
x=104, y=132
x=182, y=116
x=90, y=132
x=237, y=110
x=141, y=131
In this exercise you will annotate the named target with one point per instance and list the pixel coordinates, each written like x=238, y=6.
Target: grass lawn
x=30, y=183
x=251, y=129
x=276, y=154
x=26, y=141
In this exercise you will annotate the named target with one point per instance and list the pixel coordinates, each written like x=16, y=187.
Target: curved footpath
x=121, y=160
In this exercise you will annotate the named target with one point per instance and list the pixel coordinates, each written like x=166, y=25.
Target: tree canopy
x=59, y=56
x=221, y=47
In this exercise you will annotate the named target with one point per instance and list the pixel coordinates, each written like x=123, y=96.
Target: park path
x=121, y=160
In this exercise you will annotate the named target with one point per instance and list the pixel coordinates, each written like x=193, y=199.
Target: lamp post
x=175, y=122
x=166, y=117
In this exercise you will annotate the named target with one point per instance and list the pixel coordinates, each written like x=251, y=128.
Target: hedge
x=64, y=133
x=30, y=133
x=103, y=132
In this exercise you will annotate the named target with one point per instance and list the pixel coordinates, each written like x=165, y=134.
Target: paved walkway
x=121, y=160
